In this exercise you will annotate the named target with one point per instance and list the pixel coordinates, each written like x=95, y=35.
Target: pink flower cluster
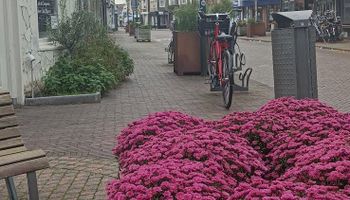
x=288, y=149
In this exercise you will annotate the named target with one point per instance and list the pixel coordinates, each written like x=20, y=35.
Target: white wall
x=19, y=35
x=10, y=56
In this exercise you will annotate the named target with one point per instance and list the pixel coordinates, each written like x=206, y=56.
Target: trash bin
x=294, y=55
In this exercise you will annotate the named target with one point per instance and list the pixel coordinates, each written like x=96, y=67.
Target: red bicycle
x=225, y=57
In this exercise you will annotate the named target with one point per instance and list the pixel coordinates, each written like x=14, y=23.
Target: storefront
x=264, y=11
x=343, y=8
x=295, y=5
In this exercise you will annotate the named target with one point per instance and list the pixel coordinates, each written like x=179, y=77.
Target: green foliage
x=73, y=77
x=145, y=27
x=93, y=63
x=224, y=6
x=112, y=57
x=251, y=21
x=241, y=23
x=80, y=28
x=186, y=18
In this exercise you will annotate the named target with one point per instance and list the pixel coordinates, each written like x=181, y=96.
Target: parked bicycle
x=328, y=26
x=225, y=57
x=171, y=46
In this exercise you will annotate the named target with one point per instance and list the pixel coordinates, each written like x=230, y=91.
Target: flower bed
x=288, y=149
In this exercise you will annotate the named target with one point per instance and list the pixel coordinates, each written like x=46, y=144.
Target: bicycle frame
x=219, y=47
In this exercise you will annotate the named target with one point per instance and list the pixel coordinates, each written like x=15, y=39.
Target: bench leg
x=11, y=188
x=32, y=186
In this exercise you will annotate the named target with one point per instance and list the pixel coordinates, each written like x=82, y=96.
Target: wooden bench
x=15, y=159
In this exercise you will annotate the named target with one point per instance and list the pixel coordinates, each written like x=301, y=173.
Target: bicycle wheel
x=227, y=87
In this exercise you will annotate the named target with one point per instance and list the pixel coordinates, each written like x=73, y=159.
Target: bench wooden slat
x=8, y=121
x=9, y=133
x=12, y=150
x=2, y=91
x=6, y=110
x=19, y=157
x=5, y=99
x=23, y=167
x=10, y=143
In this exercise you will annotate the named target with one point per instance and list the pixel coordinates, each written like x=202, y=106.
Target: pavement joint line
x=82, y=189
x=46, y=181
x=56, y=186
x=70, y=185
x=98, y=186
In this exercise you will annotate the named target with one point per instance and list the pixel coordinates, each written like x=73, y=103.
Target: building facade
x=259, y=10
x=25, y=51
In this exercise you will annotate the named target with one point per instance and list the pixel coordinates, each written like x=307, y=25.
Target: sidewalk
x=338, y=46
x=79, y=139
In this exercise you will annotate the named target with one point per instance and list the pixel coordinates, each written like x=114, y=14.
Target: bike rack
x=244, y=78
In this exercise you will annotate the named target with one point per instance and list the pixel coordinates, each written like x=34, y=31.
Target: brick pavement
x=78, y=138
x=333, y=71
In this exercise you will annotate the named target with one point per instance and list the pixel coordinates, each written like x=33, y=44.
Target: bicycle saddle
x=224, y=37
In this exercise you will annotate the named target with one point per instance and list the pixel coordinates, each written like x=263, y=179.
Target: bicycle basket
x=207, y=24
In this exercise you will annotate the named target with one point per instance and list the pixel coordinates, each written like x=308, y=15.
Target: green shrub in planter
x=251, y=21
x=186, y=18
x=242, y=23
x=76, y=30
x=112, y=57
x=90, y=49
x=145, y=27
x=73, y=77
x=223, y=6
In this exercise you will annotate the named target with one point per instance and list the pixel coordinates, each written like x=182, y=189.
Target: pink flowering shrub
x=235, y=157
x=288, y=149
x=173, y=178
x=286, y=190
x=141, y=131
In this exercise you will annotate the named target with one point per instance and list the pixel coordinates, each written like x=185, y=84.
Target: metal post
x=256, y=10
x=127, y=11
x=11, y=188
x=149, y=12
x=203, y=43
x=32, y=186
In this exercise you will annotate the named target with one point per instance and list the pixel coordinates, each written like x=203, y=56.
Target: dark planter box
x=131, y=30
x=242, y=30
x=257, y=29
x=187, y=53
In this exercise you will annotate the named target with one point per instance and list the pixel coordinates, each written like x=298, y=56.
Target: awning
x=251, y=3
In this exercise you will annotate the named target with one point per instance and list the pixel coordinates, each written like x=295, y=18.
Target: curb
x=64, y=100
x=318, y=46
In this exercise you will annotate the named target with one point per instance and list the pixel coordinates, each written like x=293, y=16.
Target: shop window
x=183, y=1
x=346, y=13
x=47, y=16
x=161, y=3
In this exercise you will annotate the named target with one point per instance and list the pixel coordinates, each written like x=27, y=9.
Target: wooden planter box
x=143, y=34
x=257, y=29
x=131, y=30
x=127, y=29
x=242, y=30
x=187, y=53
